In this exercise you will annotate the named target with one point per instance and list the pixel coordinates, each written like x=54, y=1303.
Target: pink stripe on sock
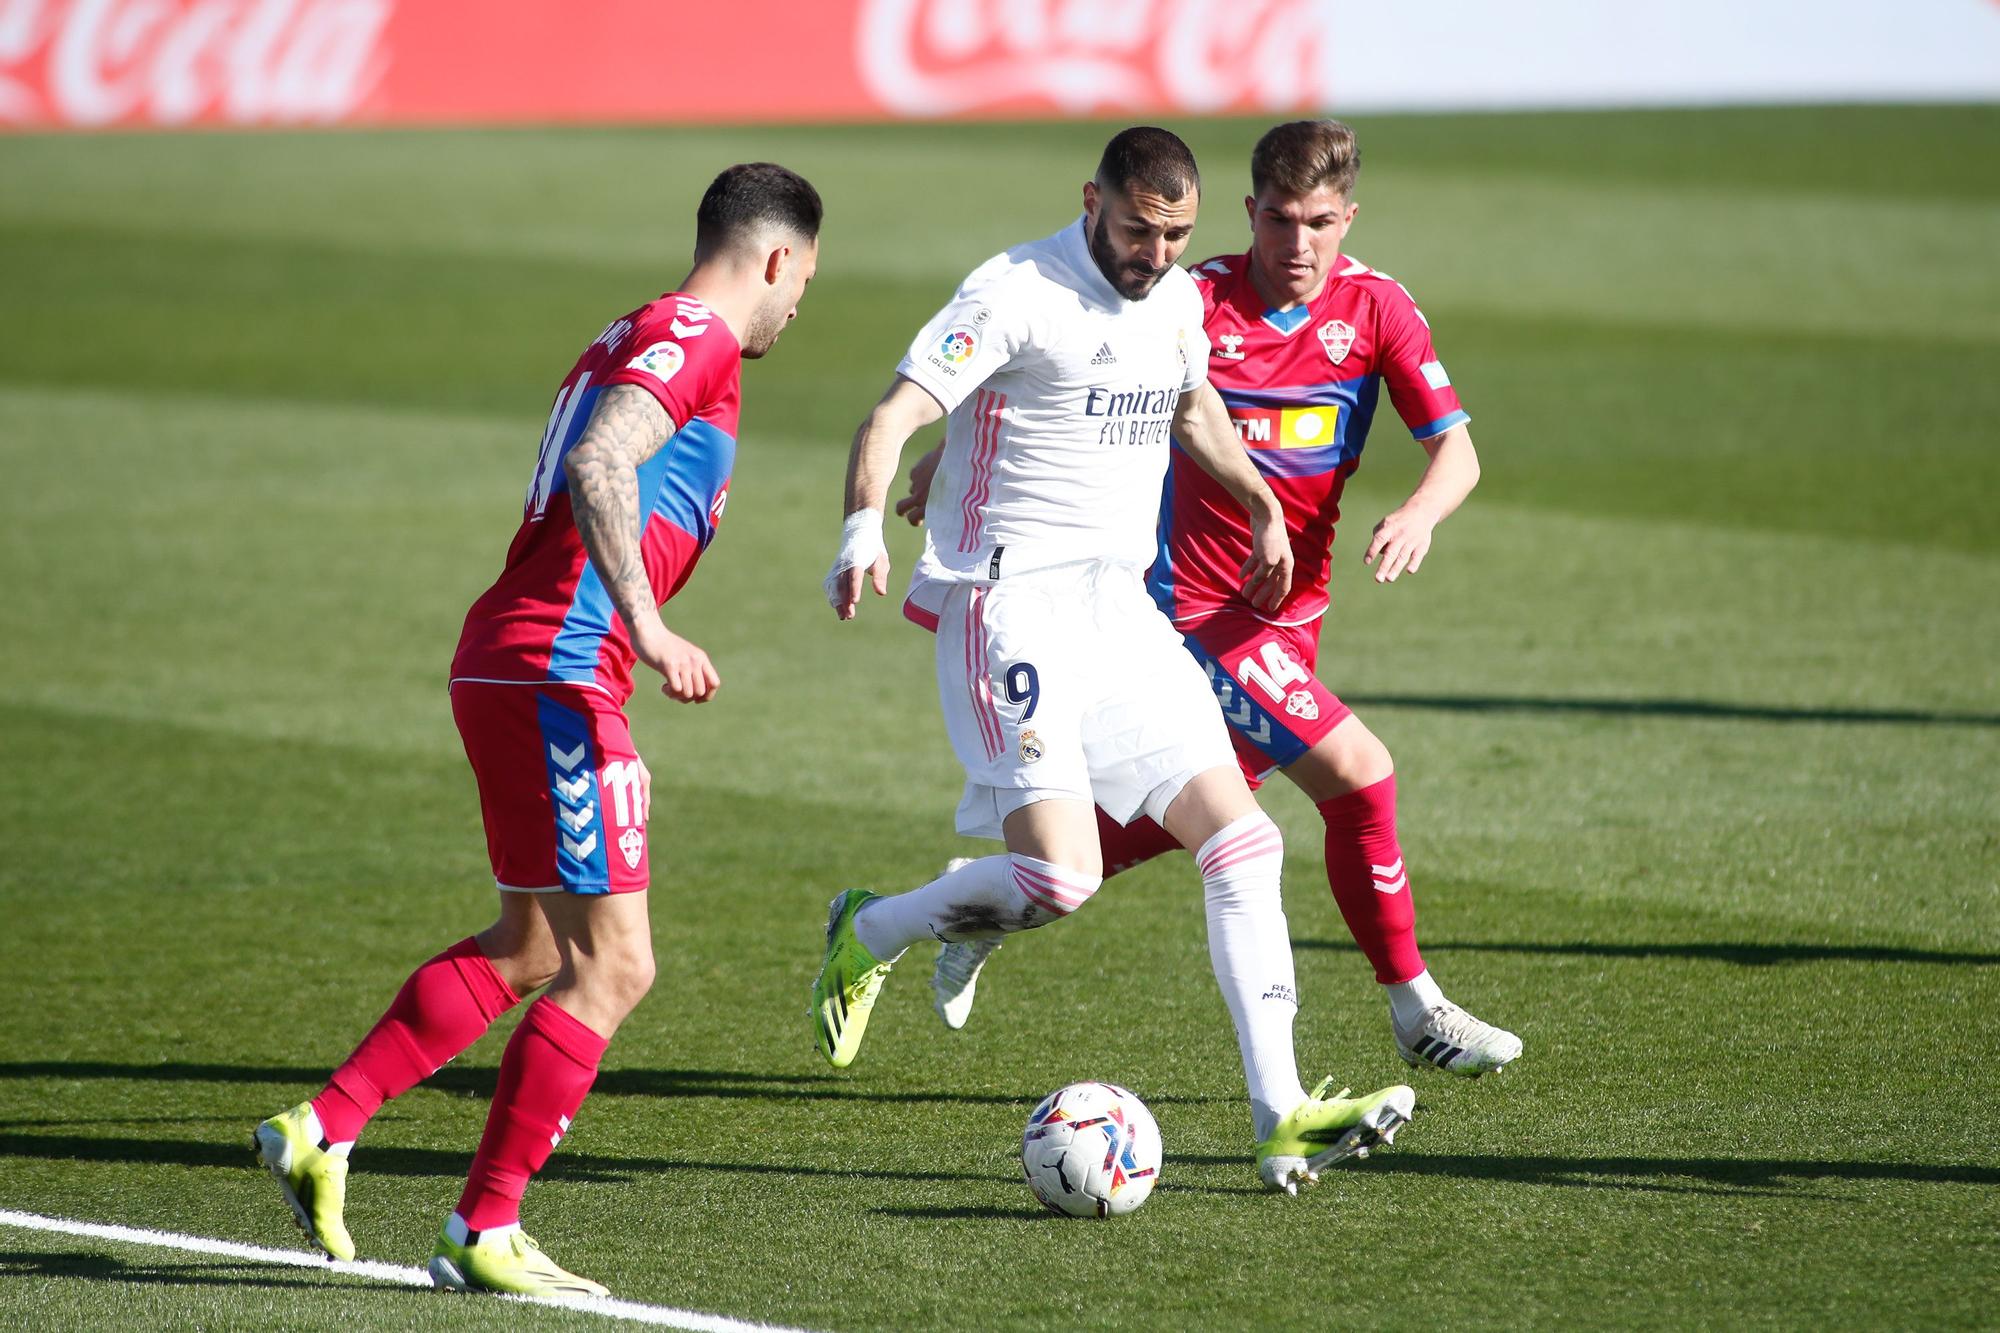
x=1076, y=895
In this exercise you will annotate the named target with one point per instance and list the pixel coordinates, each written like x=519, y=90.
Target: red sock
x=1129, y=845
x=445, y=1006
x=548, y=1069
x=1364, y=866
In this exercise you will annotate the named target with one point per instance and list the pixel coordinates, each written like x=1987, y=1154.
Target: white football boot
x=1450, y=1039
x=955, y=979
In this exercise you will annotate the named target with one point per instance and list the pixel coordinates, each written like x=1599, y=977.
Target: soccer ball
x=1091, y=1150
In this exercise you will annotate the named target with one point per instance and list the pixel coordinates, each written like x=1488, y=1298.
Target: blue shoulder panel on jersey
x=577, y=804
x=690, y=471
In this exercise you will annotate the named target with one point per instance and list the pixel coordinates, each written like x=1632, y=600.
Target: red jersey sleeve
x=1418, y=384
x=679, y=352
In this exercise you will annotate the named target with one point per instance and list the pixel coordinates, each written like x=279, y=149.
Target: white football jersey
x=1061, y=397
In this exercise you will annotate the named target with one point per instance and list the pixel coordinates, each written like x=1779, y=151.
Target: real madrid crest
x=1031, y=747
x=1336, y=336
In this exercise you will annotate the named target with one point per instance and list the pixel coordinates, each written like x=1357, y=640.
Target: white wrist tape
x=860, y=547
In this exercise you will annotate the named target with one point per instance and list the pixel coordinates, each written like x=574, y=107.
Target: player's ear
x=776, y=263
x=1250, y=209
x=1090, y=197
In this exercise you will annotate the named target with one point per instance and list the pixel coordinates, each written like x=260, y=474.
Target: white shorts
x=1069, y=683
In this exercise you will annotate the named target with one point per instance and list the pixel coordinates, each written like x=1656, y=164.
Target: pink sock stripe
x=1042, y=898
x=975, y=675
x=1265, y=841
x=1076, y=895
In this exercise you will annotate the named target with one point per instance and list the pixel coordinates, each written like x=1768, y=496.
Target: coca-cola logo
x=104, y=62
x=944, y=57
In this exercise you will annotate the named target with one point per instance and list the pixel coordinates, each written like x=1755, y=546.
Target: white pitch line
x=661, y=1316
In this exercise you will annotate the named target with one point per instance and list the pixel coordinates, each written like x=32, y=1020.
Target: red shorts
x=559, y=787
x=1275, y=706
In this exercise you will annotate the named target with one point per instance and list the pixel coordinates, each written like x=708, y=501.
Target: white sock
x=1410, y=1000
x=995, y=895
x=456, y=1231
x=1250, y=949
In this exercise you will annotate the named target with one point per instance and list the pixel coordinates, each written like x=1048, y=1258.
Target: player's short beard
x=1131, y=281
x=765, y=326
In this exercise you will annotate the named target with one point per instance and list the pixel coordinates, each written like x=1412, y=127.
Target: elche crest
x=1337, y=337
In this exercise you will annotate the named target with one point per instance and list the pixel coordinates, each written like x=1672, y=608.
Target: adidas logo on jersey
x=1104, y=357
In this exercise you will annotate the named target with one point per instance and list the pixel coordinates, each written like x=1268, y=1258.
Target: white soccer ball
x=1091, y=1150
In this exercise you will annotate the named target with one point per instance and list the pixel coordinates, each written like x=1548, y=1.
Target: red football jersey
x=548, y=617
x=1301, y=386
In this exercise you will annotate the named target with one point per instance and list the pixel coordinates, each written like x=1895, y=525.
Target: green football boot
x=1322, y=1130
x=313, y=1179
x=847, y=984
x=510, y=1263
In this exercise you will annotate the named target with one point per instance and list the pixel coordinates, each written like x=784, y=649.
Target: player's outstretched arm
x=628, y=426
x=1402, y=539
x=1201, y=425
x=871, y=463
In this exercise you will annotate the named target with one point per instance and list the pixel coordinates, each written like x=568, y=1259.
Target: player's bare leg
x=606, y=950
x=1351, y=778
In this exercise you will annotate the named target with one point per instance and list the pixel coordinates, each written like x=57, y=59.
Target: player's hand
x=862, y=558
x=1267, y=574
x=690, y=677
x=911, y=506
x=1400, y=543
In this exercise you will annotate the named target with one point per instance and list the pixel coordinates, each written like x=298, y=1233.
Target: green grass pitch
x=1695, y=707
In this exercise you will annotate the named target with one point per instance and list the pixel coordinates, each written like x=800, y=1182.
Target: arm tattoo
x=626, y=428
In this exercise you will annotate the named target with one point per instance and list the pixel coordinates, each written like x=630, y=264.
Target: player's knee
x=636, y=971
x=1049, y=891
x=1350, y=758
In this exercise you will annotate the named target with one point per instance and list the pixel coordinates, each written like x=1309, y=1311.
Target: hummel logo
x=566, y=759
x=1389, y=879
x=1104, y=357
x=1232, y=347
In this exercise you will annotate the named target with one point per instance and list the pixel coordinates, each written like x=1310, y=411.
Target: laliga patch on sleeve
x=662, y=361
x=1434, y=375
x=954, y=349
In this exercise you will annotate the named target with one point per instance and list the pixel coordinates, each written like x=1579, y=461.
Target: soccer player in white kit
x=1064, y=366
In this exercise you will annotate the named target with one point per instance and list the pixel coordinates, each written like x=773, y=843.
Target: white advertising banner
x=1442, y=54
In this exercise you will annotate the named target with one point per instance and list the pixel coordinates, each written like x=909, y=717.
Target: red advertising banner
x=125, y=63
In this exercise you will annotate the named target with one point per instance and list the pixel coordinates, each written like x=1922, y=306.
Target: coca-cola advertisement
x=138, y=63
x=131, y=63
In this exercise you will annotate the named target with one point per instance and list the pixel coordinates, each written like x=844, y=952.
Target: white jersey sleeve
x=984, y=326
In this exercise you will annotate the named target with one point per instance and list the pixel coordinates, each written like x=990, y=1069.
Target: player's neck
x=724, y=293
